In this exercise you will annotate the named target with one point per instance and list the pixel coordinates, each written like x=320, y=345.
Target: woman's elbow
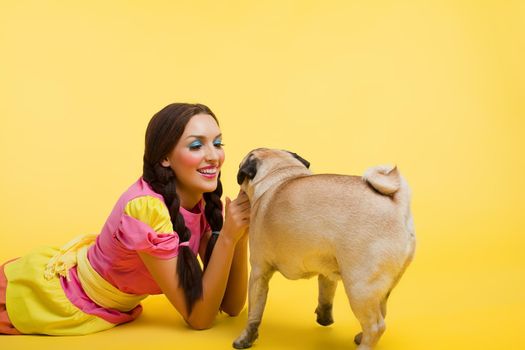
x=232, y=311
x=199, y=324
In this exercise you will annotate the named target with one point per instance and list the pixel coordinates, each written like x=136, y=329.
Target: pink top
x=114, y=255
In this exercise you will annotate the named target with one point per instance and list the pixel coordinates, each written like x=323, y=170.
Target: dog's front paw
x=247, y=337
x=244, y=342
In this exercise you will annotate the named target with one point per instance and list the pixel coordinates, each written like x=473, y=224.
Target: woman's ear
x=165, y=163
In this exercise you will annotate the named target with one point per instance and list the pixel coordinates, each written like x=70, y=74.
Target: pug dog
x=350, y=228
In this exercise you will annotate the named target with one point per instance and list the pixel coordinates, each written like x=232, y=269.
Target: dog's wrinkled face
x=247, y=168
x=263, y=159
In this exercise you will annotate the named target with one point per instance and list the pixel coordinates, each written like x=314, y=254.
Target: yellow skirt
x=39, y=306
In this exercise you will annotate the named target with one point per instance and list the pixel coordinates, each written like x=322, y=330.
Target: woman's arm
x=216, y=275
x=236, y=289
x=164, y=272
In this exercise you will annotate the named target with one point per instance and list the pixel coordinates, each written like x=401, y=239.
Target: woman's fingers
x=227, y=206
x=238, y=212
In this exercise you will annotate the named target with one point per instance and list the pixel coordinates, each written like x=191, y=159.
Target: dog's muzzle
x=247, y=170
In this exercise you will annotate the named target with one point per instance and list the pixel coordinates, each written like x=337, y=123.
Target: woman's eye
x=218, y=144
x=195, y=145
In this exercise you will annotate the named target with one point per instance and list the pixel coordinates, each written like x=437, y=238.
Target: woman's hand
x=236, y=218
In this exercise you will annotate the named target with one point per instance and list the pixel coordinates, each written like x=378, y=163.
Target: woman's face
x=196, y=159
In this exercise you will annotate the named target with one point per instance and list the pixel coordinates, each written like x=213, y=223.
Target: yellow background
x=436, y=87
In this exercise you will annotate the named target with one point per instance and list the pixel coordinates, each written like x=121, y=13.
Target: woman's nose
x=212, y=153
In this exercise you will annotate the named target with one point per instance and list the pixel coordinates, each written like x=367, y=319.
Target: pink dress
x=114, y=256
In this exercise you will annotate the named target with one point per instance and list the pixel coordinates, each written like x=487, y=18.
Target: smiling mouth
x=208, y=172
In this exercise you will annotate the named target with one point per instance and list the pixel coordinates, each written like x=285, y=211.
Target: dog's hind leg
x=325, y=302
x=359, y=336
x=257, y=295
x=368, y=302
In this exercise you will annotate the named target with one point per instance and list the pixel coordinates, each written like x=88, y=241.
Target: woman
x=148, y=245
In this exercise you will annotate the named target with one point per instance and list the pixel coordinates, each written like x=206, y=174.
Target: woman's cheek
x=192, y=159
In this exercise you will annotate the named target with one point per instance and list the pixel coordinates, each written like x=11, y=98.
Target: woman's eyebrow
x=202, y=136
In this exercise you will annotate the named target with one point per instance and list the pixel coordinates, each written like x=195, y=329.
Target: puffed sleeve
x=145, y=226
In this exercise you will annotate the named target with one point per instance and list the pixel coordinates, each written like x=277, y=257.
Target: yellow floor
x=453, y=296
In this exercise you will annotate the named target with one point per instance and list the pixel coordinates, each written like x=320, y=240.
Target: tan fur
x=358, y=229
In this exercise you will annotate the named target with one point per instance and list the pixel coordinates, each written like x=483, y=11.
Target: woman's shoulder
x=145, y=226
x=140, y=202
x=151, y=211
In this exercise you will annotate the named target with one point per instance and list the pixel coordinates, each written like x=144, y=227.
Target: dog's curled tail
x=383, y=178
x=387, y=180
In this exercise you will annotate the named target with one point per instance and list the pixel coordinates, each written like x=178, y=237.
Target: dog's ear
x=247, y=170
x=301, y=159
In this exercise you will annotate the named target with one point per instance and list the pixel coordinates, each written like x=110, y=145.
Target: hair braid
x=163, y=181
x=188, y=267
x=213, y=212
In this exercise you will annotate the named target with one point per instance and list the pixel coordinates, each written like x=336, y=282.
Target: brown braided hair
x=162, y=134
